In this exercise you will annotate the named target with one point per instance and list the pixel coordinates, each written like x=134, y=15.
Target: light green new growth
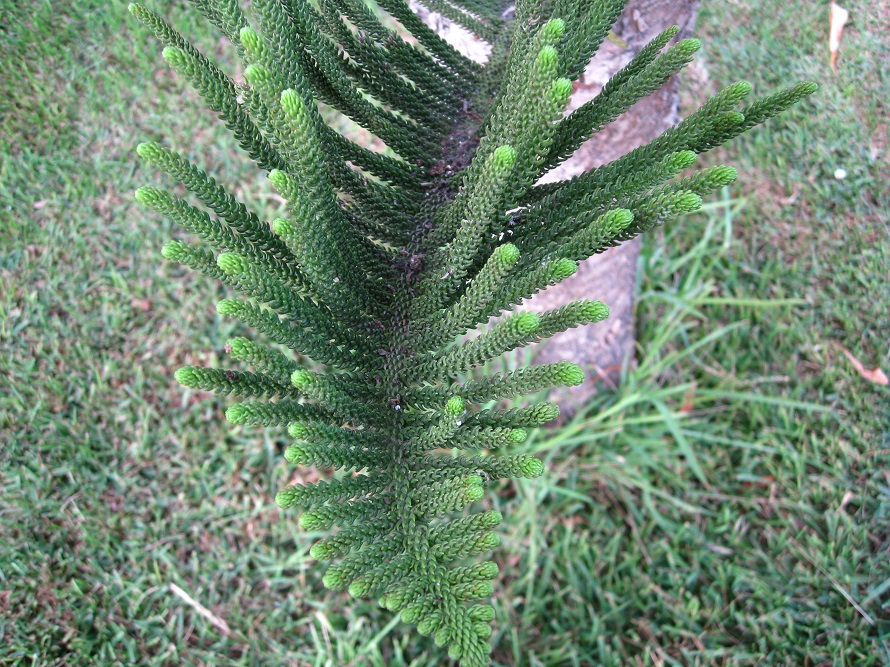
x=364, y=291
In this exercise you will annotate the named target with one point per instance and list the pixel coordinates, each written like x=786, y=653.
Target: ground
x=728, y=505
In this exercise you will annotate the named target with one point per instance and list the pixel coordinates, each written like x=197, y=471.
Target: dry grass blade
x=202, y=611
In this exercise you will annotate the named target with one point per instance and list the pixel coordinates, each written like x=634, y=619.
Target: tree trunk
x=601, y=349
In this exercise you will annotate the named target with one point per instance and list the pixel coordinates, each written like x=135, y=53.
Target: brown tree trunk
x=601, y=349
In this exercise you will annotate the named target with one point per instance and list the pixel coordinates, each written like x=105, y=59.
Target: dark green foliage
x=383, y=263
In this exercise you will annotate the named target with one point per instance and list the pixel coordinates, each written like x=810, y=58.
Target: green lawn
x=729, y=505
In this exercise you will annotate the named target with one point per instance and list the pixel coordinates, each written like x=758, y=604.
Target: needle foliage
x=364, y=292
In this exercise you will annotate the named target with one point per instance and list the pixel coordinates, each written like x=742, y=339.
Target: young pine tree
x=363, y=292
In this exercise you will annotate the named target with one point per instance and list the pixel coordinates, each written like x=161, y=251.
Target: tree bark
x=604, y=348
x=601, y=349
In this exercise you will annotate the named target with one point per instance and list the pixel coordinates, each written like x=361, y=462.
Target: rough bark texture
x=603, y=348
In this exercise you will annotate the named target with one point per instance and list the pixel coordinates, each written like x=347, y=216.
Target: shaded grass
x=830, y=233
x=728, y=505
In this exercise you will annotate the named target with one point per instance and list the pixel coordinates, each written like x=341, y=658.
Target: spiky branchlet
x=383, y=261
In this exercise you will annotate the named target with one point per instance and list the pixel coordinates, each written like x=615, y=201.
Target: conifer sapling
x=363, y=292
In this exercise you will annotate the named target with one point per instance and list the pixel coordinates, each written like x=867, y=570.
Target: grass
x=728, y=505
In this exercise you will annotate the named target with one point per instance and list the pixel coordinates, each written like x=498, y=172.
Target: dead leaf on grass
x=688, y=400
x=837, y=19
x=875, y=374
